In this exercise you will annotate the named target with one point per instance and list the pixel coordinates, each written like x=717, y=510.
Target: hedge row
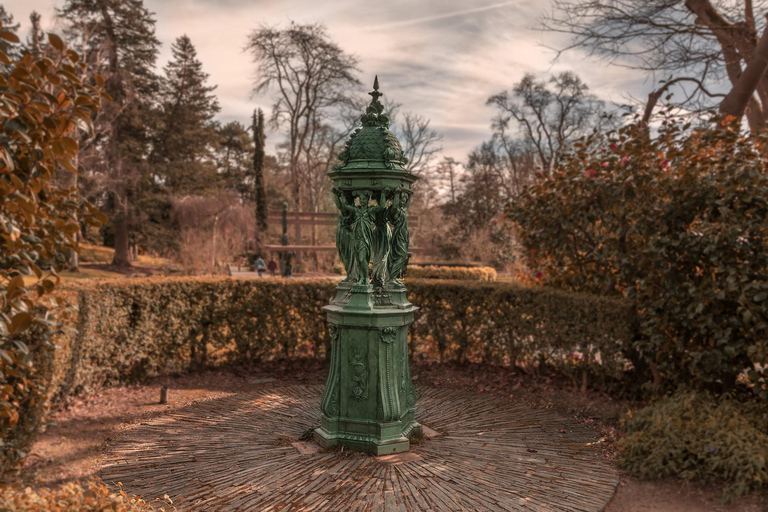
x=467, y=271
x=443, y=272
x=133, y=328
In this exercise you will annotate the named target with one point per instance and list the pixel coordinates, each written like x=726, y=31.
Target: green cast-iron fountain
x=368, y=402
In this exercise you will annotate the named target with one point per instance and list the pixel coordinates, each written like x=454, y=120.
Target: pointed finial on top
x=375, y=93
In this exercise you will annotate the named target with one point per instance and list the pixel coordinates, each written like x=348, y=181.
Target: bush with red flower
x=676, y=223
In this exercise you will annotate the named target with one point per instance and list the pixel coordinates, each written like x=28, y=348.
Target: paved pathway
x=236, y=454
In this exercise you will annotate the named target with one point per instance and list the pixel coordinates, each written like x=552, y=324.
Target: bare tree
x=212, y=229
x=696, y=44
x=421, y=144
x=516, y=164
x=549, y=115
x=311, y=76
x=447, y=171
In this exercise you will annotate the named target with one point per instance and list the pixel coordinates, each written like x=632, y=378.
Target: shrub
x=677, y=225
x=129, y=329
x=444, y=272
x=132, y=328
x=94, y=496
x=693, y=436
x=41, y=102
x=536, y=329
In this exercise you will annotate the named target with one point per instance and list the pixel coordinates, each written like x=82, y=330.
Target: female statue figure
x=382, y=238
x=365, y=216
x=345, y=242
x=398, y=253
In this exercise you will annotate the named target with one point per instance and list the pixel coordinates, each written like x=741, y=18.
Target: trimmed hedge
x=442, y=272
x=467, y=271
x=129, y=329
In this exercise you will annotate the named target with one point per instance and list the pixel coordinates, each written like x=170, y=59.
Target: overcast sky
x=439, y=58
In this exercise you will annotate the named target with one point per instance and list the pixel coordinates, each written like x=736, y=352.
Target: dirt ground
x=71, y=448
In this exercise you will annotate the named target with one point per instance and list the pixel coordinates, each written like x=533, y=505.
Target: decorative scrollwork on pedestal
x=388, y=334
x=381, y=298
x=359, y=373
x=329, y=403
x=334, y=329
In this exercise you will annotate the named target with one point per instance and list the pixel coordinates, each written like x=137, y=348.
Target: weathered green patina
x=368, y=402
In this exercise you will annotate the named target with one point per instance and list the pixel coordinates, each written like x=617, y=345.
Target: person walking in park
x=272, y=266
x=259, y=266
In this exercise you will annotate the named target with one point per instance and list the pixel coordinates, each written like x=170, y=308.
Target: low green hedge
x=697, y=437
x=444, y=272
x=132, y=328
x=466, y=271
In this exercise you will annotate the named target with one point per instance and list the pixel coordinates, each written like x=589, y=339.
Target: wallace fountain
x=369, y=399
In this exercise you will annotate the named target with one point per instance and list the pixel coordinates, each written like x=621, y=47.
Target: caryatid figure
x=365, y=215
x=401, y=238
x=382, y=239
x=345, y=243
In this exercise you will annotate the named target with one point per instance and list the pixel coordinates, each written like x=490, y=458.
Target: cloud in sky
x=438, y=58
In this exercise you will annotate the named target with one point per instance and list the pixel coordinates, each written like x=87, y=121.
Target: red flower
x=624, y=160
x=539, y=275
x=664, y=164
x=614, y=146
x=591, y=173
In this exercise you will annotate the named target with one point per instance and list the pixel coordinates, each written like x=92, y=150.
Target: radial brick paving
x=235, y=454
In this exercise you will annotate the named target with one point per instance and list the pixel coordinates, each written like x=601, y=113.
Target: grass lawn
x=96, y=263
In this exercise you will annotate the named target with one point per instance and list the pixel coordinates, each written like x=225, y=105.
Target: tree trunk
x=122, y=245
x=741, y=96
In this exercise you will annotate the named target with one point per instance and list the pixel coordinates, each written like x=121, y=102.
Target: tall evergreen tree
x=259, y=184
x=234, y=158
x=183, y=148
x=36, y=38
x=117, y=39
x=7, y=47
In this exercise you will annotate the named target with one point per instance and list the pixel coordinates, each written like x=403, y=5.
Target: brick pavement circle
x=236, y=454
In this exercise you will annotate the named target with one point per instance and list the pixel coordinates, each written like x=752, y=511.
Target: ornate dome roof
x=373, y=143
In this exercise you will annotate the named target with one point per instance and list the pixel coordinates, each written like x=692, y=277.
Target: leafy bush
x=132, y=328
x=693, y=436
x=41, y=102
x=94, y=496
x=677, y=225
x=444, y=272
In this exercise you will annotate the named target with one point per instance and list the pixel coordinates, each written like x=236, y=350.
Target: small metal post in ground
x=369, y=399
x=164, y=395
